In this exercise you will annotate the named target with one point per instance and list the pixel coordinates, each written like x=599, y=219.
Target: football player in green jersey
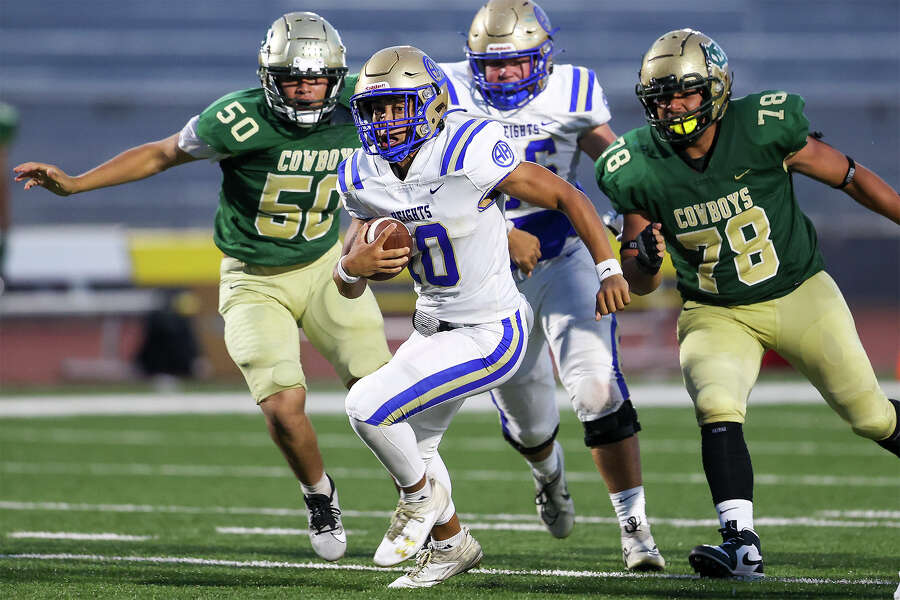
x=709, y=179
x=278, y=146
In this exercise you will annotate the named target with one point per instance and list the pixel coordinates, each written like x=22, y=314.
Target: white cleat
x=638, y=548
x=739, y=555
x=326, y=532
x=410, y=526
x=434, y=566
x=554, y=504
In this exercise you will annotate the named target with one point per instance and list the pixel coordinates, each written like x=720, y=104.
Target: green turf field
x=212, y=511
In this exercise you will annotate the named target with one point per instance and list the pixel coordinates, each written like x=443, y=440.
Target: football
x=399, y=238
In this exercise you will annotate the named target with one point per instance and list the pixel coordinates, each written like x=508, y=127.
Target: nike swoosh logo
x=544, y=124
x=750, y=563
x=722, y=512
x=436, y=189
x=741, y=176
x=627, y=498
x=604, y=271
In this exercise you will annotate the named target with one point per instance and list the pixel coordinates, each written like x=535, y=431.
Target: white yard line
x=799, y=392
x=275, y=531
x=327, y=441
x=260, y=471
x=69, y=535
x=494, y=521
x=265, y=564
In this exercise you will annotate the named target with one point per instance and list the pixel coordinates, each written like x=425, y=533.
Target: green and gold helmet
x=683, y=61
x=511, y=29
x=298, y=45
x=393, y=73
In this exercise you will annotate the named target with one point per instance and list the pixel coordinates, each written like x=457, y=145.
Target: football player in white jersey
x=550, y=114
x=440, y=175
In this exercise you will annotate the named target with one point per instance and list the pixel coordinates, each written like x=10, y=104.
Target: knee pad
x=533, y=449
x=612, y=428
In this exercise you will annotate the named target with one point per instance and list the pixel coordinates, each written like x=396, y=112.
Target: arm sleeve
x=795, y=129
x=353, y=206
x=189, y=140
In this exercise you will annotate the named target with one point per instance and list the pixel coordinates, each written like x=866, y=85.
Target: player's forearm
x=136, y=163
x=639, y=281
x=874, y=193
x=348, y=284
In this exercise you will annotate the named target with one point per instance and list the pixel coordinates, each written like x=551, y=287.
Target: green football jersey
x=277, y=205
x=735, y=232
x=9, y=120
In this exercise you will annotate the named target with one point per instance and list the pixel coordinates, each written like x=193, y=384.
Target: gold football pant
x=721, y=349
x=263, y=307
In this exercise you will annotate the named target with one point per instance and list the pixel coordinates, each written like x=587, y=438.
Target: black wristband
x=851, y=171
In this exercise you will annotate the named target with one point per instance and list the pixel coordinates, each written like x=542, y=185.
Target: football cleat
x=554, y=504
x=434, y=566
x=739, y=555
x=410, y=526
x=638, y=548
x=326, y=532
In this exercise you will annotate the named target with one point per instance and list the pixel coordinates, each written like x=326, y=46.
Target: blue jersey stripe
x=620, y=379
x=462, y=155
x=340, y=174
x=590, y=90
x=354, y=170
x=576, y=85
x=423, y=386
x=445, y=163
x=453, y=97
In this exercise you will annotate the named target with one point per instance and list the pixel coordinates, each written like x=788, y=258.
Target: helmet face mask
x=509, y=30
x=302, y=45
x=681, y=62
x=407, y=80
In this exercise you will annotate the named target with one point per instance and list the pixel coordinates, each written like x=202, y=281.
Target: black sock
x=726, y=462
x=892, y=443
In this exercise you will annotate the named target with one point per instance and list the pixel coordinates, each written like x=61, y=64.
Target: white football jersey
x=461, y=256
x=544, y=131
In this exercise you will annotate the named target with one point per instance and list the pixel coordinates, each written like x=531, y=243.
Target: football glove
x=648, y=257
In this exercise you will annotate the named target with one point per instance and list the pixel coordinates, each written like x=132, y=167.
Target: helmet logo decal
x=433, y=70
x=715, y=54
x=308, y=63
x=542, y=19
x=378, y=85
x=505, y=47
x=502, y=154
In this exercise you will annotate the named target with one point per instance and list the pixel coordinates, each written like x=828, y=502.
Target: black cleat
x=739, y=555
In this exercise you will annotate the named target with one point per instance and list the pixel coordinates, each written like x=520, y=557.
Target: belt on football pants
x=428, y=325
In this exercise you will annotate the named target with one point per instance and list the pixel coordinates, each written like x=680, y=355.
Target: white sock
x=418, y=495
x=450, y=542
x=548, y=468
x=736, y=510
x=323, y=486
x=630, y=507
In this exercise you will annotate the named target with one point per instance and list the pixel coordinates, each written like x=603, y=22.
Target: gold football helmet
x=504, y=29
x=390, y=74
x=302, y=44
x=682, y=61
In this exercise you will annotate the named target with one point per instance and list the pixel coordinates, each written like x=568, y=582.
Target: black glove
x=649, y=261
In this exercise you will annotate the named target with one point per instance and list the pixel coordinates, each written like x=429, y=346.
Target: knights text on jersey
x=461, y=260
x=278, y=203
x=545, y=131
x=735, y=231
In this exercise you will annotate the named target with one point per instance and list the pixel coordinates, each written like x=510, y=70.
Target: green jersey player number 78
x=278, y=146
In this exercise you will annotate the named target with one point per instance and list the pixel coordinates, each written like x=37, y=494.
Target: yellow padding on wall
x=162, y=257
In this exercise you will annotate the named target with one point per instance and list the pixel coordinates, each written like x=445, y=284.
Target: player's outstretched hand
x=524, y=250
x=365, y=259
x=47, y=176
x=613, y=295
